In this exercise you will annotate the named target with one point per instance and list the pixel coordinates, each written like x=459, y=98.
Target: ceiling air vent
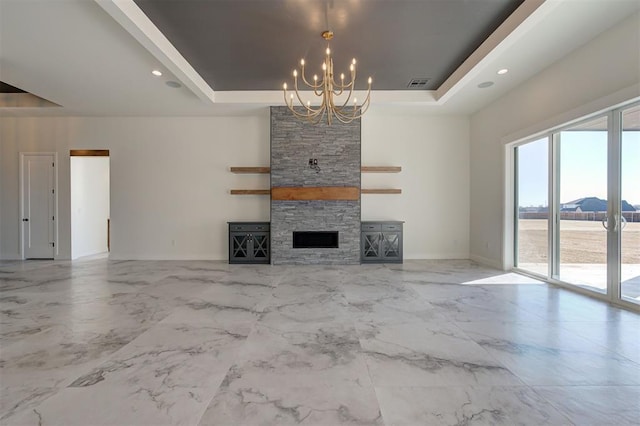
x=418, y=83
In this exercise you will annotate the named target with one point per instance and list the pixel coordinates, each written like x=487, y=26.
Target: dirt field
x=580, y=242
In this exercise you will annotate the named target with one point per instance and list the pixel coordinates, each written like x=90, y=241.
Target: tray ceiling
x=254, y=45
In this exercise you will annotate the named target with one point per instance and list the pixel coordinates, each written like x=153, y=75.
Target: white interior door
x=38, y=206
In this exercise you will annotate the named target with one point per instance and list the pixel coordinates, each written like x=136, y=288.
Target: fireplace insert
x=315, y=239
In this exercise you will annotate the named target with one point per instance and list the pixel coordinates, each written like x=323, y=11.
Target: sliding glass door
x=582, y=209
x=629, y=222
x=577, y=205
x=532, y=224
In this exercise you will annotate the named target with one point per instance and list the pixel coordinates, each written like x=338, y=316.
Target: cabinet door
x=391, y=246
x=239, y=246
x=370, y=245
x=260, y=246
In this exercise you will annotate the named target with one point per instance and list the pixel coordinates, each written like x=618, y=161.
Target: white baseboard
x=439, y=256
x=11, y=257
x=126, y=256
x=487, y=262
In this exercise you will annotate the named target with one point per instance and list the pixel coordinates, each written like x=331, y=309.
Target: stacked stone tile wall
x=337, y=149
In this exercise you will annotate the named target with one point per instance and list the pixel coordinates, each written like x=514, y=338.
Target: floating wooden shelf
x=250, y=192
x=363, y=169
x=345, y=193
x=250, y=169
x=381, y=169
x=309, y=193
x=381, y=191
x=315, y=193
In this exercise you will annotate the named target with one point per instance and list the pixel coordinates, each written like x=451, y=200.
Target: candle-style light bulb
x=295, y=73
x=342, y=76
x=315, y=77
x=284, y=86
x=370, y=81
x=328, y=51
x=308, y=104
x=354, y=61
x=324, y=66
x=302, y=62
x=355, y=101
x=351, y=67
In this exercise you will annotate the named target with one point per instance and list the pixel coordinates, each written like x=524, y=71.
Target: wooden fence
x=588, y=216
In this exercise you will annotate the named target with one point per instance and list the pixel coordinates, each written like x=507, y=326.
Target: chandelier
x=335, y=95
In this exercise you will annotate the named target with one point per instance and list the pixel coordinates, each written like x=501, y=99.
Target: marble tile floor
x=99, y=342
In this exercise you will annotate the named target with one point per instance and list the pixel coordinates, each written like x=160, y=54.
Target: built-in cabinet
x=249, y=242
x=381, y=242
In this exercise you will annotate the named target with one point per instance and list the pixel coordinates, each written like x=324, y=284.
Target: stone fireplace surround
x=337, y=150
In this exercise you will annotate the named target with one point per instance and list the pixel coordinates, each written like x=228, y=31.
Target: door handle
x=617, y=220
x=25, y=219
x=624, y=222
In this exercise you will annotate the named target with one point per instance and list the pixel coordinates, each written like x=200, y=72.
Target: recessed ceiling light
x=503, y=71
x=173, y=84
x=157, y=73
x=485, y=84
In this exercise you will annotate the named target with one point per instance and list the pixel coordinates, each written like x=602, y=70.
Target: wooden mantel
x=344, y=193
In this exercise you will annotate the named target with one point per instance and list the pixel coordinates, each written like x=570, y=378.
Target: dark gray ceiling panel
x=255, y=44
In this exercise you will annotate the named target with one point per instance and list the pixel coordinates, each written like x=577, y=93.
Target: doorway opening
x=90, y=203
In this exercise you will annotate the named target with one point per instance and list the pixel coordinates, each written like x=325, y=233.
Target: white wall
x=2, y=166
x=603, y=72
x=89, y=205
x=433, y=151
x=170, y=179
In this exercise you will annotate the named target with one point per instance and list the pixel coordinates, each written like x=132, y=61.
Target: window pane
x=583, y=205
x=533, y=206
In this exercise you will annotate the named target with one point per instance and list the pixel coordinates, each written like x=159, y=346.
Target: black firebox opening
x=315, y=239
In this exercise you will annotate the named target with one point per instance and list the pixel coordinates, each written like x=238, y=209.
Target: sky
x=583, y=168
